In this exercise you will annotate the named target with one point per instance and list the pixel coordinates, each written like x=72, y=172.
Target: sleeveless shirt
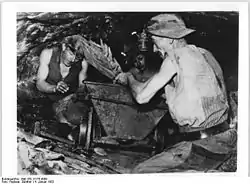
x=198, y=99
x=54, y=75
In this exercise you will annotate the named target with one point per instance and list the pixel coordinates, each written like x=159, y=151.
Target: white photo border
x=9, y=114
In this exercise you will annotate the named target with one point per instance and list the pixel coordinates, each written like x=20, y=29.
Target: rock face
x=36, y=31
x=215, y=31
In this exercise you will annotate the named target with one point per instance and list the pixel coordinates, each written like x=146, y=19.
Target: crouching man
x=61, y=72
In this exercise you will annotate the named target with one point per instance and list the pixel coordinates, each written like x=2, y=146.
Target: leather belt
x=194, y=135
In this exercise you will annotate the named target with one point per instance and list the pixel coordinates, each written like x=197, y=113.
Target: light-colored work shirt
x=197, y=94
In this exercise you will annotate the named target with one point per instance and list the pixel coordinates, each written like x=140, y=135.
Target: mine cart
x=114, y=113
x=113, y=117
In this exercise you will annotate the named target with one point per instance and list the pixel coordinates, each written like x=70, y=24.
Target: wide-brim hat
x=168, y=25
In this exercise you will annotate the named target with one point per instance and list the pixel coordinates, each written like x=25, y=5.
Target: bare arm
x=143, y=92
x=43, y=72
x=83, y=72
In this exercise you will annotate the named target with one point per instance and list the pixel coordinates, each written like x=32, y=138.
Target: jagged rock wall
x=35, y=31
x=215, y=31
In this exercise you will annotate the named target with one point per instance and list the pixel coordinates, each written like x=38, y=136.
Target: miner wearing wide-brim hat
x=194, y=87
x=168, y=25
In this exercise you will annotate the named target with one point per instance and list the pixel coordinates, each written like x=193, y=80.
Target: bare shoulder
x=45, y=56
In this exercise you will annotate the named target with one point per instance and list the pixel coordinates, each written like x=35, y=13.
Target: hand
x=122, y=78
x=62, y=87
x=64, y=121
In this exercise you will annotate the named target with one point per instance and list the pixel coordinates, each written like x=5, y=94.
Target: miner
x=194, y=88
x=61, y=72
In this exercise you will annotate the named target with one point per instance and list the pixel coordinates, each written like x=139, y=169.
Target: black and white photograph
x=127, y=92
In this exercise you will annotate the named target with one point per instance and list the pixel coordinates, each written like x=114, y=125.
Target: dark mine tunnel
x=113, y=131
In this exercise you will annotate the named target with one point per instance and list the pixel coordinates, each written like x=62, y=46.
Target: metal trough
x=119, y=114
